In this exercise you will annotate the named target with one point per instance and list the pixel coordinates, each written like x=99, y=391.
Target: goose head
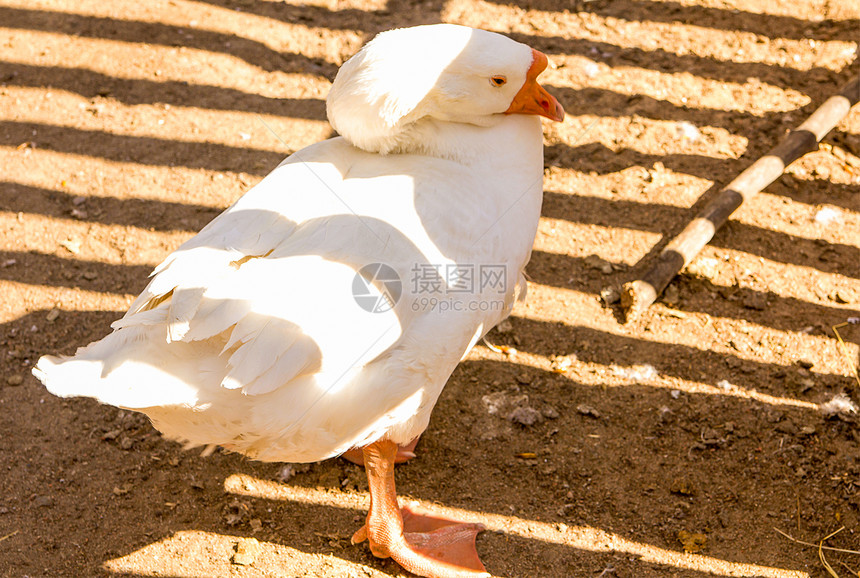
x=385, y=95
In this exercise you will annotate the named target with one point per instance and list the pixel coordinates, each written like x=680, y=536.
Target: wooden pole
x=638, y=295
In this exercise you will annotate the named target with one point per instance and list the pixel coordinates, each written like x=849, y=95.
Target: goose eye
x=498, y=80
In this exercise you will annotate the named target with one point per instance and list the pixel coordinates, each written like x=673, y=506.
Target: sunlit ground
x=183, y=553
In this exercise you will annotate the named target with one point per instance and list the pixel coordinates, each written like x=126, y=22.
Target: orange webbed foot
x=432, y=544
x=424, y=544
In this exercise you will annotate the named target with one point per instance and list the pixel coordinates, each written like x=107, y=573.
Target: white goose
x=327, y=307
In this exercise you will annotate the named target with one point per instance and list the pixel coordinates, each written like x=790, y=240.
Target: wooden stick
x=638, y=295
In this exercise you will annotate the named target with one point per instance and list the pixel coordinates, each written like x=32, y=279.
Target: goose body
x=249, y=336
x=327, y=307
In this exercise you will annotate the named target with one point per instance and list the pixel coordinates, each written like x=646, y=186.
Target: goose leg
x=424, y=545
x=404, y=453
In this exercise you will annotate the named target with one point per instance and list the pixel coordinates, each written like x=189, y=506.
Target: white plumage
x=249, y=335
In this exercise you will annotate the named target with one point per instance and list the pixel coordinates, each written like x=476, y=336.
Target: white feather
x=249, y=336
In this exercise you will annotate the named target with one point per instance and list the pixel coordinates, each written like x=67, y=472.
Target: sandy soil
x=128, y=125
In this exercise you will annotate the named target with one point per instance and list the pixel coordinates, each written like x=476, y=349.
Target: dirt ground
x=128, y=125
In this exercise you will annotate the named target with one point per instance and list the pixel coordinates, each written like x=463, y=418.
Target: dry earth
x=128, y=125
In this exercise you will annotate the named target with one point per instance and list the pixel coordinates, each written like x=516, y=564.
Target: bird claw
x=431, y=546
x=359, y=536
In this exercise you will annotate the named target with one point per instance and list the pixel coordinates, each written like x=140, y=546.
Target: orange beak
x=532, y=97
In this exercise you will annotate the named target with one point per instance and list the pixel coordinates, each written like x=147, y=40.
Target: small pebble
x=671, y=295
x=638, y=373
x=52, y=314
x=595, y=262
x=683, y=487
x=610, y=295
x=495, y=402
x=828, y=216
x=550, y=412
x=787, y=427
x=588, y=410
x=562, y=363
x=247, y=551
x=286, y=473
x=692, y=542
x=591, y=69
x=687, y=131
x=15, y=379
x=526, y=416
